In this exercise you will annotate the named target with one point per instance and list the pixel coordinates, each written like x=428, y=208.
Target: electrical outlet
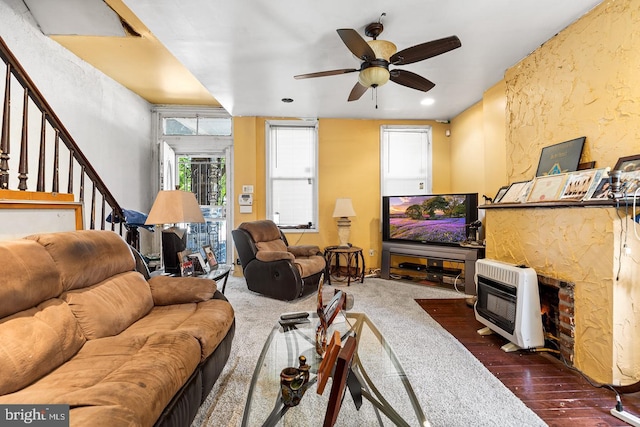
x=372, y=252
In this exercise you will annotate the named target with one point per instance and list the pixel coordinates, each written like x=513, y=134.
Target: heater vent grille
x=503, y=274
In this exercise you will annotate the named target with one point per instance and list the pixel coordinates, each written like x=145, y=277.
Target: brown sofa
x=79, y=326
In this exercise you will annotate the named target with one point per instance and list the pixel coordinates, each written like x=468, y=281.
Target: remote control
x=300, y=315
x=293, y=322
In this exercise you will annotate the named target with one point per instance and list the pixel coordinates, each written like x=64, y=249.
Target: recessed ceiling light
x=287, y=100
x=428, y=101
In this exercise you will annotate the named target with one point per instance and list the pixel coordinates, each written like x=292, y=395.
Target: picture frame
x=561, y=158
x=602, y=190
x=501, y=192
x=628, y=163
x=629, y=182
x=340, y=374
x=328, y=361
x=186, y=268
x=210, y=256
x=578, y=185
x=515, y=191
x=199, y=264
x=547, y=188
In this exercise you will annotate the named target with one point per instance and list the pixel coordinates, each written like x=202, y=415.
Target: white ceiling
x=247, y=52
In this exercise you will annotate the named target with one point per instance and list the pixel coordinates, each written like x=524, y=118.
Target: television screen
x=431, y=219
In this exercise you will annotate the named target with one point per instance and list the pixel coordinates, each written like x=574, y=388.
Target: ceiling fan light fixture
x=373, y=76
x=382, y=48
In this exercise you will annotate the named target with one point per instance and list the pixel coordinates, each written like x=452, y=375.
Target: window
x=292, y=173
x=406, y=160
x=217, y=126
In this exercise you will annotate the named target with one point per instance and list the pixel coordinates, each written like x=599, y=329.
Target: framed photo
x=578, y=185
x=561, y=158
x=628, y=164
x=629, y=182
x=186, y=268
x=515, y=191
x=199, y=264
x=602, y=190
x=328, y=361
x=333, y=307
x=547, y=188
x=501, y=192
x=600, y=174
x=343, y=365
x=210, y=256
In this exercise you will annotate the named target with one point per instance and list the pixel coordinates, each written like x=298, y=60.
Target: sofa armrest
x=167, y=290
x=304, y=250
x=268, y=256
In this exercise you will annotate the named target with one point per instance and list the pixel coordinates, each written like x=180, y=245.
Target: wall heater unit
x=509, y=303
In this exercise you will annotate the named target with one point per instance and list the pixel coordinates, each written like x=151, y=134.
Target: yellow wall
x=349, y=166
x=585, y=81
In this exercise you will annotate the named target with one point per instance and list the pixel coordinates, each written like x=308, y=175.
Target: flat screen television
x=438, y=219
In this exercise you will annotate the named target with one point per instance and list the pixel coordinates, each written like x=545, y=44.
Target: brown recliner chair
x=272, y=267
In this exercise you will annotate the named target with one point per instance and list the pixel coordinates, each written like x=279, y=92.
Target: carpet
x=453, y=387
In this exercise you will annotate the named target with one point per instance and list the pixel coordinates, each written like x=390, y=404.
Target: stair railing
x=51, y=132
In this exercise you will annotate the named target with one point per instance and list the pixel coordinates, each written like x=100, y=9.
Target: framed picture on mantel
x=560, y=158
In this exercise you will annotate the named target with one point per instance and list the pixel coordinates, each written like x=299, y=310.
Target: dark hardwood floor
x=559, y=395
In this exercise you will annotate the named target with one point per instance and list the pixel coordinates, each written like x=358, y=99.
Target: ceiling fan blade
x=412, y=80
x=425, y=50
x=326, y=73
x=357, y=91
x=356, y=44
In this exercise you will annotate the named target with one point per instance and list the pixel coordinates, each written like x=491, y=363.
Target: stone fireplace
x=590, y=285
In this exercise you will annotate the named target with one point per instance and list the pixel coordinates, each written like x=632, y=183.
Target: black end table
x=352, y=255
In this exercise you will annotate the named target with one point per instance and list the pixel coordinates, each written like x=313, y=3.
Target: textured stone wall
x=583, y=82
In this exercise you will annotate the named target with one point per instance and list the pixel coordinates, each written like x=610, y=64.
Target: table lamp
x=342, y=211
x=174, y=207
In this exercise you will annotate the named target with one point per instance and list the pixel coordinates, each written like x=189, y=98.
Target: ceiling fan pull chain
x=375, y=89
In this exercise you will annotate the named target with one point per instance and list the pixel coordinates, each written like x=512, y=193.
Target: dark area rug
x=557, y=394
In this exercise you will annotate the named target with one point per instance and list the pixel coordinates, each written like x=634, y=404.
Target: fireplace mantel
x=586, y=247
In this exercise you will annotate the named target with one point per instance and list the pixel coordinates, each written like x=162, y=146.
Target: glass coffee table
x=387, y=397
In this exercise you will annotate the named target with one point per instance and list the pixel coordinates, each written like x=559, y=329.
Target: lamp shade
x=344, y=208
x=174, y=206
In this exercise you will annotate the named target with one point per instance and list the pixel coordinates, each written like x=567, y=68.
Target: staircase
x=57, y=159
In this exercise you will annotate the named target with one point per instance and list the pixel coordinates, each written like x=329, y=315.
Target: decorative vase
x=293, y=383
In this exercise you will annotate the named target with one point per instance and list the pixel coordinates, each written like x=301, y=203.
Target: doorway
x=195, y=153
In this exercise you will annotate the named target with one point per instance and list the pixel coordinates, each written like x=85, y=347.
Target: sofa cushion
x=207, y=321
x=86, y=257
x=134, y=377
x=180, y=290
x=109, y=307
x=36, y=341
x=29, y=276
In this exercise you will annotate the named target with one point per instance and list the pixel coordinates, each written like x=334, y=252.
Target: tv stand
x=435, y=254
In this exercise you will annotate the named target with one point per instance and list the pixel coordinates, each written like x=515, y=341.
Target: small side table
x=219, y=273
x=352, y=255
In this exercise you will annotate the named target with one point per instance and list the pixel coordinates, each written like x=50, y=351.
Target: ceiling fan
x=376, y=56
